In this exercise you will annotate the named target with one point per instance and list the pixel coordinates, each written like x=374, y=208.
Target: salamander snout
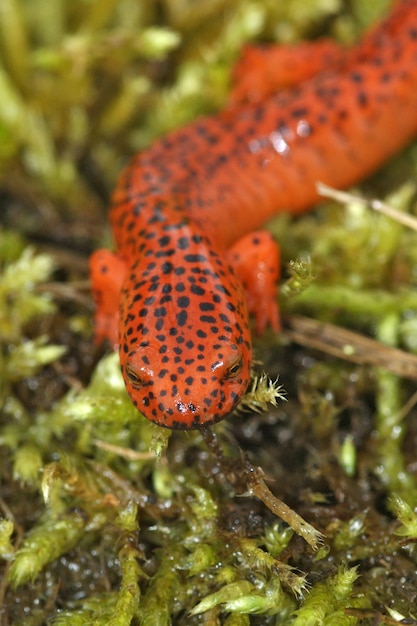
x=196, y=392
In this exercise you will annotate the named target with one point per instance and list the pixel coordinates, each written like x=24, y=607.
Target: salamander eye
x=133, y=377
x=234, y=369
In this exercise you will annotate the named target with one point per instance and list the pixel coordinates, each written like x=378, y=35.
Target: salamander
x=191, y=264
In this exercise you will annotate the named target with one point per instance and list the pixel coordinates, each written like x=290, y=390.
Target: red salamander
x=190, y=262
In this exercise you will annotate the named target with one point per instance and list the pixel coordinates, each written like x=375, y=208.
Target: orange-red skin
x=170, y=297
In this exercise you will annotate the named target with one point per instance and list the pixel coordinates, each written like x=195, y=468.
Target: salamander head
x=185, y=347
x=187, y=395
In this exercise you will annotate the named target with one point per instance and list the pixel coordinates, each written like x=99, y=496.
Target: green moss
x=47, y=541
x=326, y=603
x=106, y=518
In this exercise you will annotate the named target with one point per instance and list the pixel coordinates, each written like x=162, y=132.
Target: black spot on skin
x=222, y=290
x=299, y=112
x=196, y=290
x=167, y=267
x=183, y=302
x=362, y=99
x=208, y=318
x=356, y=77
x=162, y=253
x=195, y=258
x=182, y=318
x=183, y=243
